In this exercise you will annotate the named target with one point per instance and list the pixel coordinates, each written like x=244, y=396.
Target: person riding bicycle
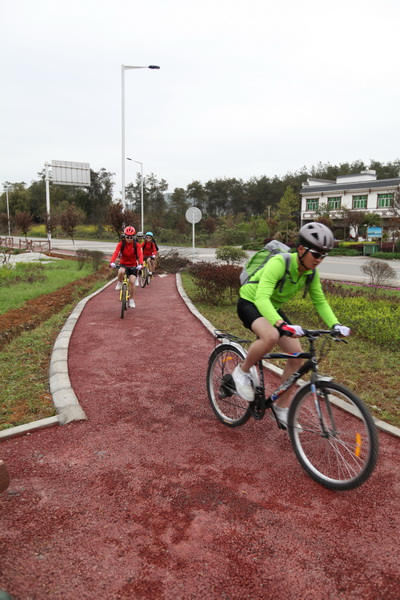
x=131, y=260
x=260, y=302
x=149, y=251
x=140, y=238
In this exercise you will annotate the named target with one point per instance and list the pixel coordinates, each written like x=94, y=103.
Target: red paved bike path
x=153, y=498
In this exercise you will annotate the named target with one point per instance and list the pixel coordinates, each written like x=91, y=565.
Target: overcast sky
x=253, y=88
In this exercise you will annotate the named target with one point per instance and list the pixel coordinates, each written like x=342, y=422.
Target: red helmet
x=129, y=230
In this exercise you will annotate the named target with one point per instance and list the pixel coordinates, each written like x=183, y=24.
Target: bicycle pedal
x=257, y=410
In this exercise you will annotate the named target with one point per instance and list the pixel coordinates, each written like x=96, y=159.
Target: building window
x=385, y=200
x=359, y=201
x=334, y=203
x=312, y=203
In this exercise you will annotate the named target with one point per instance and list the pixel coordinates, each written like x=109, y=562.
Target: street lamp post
x=123, y=69
x=141, y=192
x=8, y=214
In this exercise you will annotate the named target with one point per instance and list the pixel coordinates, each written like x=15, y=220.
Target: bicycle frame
x=261, y=403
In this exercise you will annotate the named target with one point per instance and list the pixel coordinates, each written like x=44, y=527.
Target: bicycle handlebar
x=312, y=334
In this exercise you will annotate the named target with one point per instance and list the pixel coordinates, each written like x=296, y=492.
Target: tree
x=116, y=218
x=23, y=222
x=154, y=201
x=324, y=215
x=196, y=195
x=70, y=219
x=287, y=211
x=95, y=199
x=351, y=219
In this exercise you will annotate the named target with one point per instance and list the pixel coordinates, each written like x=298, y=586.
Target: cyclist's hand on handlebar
x=290, y=330
x=113, y=265
x=152, y=257
x=139, y=267
x=342, y=329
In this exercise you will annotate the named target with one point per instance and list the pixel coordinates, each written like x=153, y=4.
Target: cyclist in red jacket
x=131, y=260
x=149, y=251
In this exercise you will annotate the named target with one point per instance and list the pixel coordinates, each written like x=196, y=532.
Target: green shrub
x=82, y=255
x=387, y=255
x=216, y=283
x=344, y=252
x=230, y=254
x=374, y=321
x=97, y=257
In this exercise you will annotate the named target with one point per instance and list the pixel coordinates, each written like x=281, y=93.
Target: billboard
x=70, y=173
x=374, y=232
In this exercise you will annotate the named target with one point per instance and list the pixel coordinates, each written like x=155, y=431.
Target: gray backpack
x=260, y=259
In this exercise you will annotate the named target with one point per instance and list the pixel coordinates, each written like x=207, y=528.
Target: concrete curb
x=64, y=398
x=386, y=427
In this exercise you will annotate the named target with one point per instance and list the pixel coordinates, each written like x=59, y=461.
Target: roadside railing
x=35, y=245
x=8, y=242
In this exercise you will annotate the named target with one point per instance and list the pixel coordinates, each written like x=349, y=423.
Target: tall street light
x=141, y=192
x=123, y=69
x=8, y=213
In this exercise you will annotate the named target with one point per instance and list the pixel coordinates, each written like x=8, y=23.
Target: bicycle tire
x=124, y=299
x=228, y=406
x=143, y=277
x=340, y=451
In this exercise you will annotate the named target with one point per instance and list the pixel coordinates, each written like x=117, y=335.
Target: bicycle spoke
x=230, y=408
x=337, y=443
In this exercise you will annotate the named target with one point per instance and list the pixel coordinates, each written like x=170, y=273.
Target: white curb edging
x=64, y=398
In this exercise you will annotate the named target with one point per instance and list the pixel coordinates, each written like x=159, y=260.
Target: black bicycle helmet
x=317, y=236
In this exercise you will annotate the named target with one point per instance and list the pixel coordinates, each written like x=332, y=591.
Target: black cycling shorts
x=248, y=313
x=130, y=270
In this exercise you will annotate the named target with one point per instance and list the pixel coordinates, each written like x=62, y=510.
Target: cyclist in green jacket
x=259, y=308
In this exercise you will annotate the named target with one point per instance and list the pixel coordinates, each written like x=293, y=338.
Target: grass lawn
x=27, y=281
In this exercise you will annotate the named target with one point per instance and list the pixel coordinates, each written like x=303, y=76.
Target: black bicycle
x=331, y=430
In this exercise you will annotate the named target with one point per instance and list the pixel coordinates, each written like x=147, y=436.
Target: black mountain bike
x=331, y=430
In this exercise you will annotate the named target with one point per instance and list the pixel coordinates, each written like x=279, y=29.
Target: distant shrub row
x=371, y=316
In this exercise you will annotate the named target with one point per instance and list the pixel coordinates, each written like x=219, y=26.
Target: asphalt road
x=335, y=267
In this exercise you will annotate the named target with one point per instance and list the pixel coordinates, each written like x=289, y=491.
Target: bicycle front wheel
x=124, y=299
x=230, y=408
x=333, y=435
x=143, y=277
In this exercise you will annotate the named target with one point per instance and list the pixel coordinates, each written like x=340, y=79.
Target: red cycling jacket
x=128, y=257
x=149, y=249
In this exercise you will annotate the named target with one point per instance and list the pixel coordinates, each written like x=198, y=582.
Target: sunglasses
x=129, y=237
x=315, y=254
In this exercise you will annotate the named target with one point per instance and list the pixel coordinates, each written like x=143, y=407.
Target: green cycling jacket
x=268, y=299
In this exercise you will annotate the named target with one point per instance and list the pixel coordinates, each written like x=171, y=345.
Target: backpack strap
x=310, y=277
x=288, y=259
x=134, y=247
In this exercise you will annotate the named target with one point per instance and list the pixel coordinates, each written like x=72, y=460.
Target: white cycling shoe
x=243, y=384
x=132, y=303
x=281, y=413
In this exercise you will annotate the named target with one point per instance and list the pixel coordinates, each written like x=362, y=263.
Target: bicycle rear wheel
x=230, y=408
x=335, y=438
x=124, y=299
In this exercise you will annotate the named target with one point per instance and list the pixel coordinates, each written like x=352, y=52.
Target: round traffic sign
x=193, y=214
